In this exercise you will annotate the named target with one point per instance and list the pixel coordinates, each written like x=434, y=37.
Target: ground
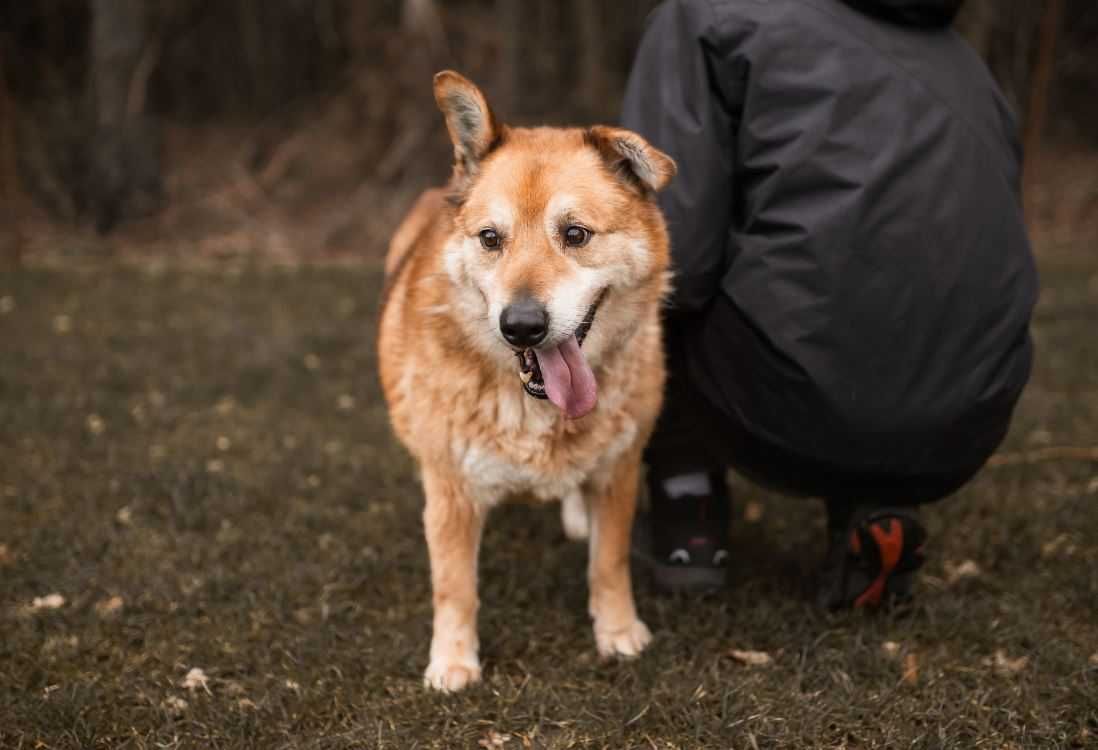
x=210, y=539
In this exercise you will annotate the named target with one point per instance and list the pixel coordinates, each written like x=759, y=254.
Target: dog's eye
x=489, y=239
x=575, y=236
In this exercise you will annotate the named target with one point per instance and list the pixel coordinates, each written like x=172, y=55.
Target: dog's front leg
x=453, y=523
x=618, y=630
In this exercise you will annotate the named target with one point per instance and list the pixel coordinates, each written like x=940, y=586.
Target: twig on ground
x=1041, y=455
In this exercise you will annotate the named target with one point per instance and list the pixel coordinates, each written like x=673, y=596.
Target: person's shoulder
x=736, y=16
x=715, y=18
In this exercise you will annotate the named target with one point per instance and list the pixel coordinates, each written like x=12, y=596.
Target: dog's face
x=558, y=244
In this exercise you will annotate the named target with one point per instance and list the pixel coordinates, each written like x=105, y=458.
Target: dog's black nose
x=524, y=322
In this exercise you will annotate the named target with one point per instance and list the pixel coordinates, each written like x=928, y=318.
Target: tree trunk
x=11, y=236
x=509, y=13
x=1038, y=96
x=977, y=23
x=124, y=163
x=592, y=59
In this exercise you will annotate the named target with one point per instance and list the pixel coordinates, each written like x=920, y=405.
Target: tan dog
x=520, y=351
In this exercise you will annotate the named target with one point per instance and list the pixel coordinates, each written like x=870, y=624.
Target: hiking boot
x=871, y=559
x=688, y=524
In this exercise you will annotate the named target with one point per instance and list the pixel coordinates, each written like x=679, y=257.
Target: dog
x=520, y=351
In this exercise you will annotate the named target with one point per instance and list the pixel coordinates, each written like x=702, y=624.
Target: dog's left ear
x=472, y=125
x=632, y=158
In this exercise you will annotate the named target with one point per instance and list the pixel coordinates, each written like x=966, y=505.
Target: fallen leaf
x=223, y=443
x=911, y=669
x=753, y=512
x=124, y=515
x=174, y=705
x=195, y=679
x=751, y=658
x=232, y=687
x=7, y=304
x=109, y=607
x=494, y=739
x=96, y=425
x=891, y=648
x=60, y=643
x=49, y=601
x=246, y=704
x=346, y=402
x=1051, y=548
x=1005, y=665
x=1094, y=658
x=1039, y=437
x=958, y=571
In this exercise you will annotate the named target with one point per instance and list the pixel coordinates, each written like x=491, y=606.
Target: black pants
x=694, y=433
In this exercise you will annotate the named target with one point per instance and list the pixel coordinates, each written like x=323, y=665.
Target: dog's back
x=426, y=210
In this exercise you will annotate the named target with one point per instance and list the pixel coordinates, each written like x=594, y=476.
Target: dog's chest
x=527, y=453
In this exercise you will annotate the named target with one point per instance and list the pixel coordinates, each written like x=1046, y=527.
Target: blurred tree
x=11, y=243
x=124, y=162
x=592, y=40
x=90, y=81
x=509, y=13
x=422, y=18
x=1039, y=93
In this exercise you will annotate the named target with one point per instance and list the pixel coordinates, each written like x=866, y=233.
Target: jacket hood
x=921, y=13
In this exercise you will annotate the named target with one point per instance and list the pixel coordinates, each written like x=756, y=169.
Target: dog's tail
x=423, y=212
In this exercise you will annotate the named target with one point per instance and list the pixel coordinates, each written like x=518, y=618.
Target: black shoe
x=690, y=538
x=871, y=559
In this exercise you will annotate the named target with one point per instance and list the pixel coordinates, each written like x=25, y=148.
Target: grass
x=211, y=449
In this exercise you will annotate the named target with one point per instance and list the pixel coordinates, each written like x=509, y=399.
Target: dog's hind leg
x=453, y=525
x=573, y=516
x=618, y=630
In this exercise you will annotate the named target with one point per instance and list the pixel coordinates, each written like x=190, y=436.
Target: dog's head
x=559, y=250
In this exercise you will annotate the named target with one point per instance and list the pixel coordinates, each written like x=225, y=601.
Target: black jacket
x=848, y=191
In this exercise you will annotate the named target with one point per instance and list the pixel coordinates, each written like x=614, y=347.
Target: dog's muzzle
x=530, y=371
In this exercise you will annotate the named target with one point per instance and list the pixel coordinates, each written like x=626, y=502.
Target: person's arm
x=673, y=102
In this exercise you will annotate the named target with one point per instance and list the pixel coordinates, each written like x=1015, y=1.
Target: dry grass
x=199, y=465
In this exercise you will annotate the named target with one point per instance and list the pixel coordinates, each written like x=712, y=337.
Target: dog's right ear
x=473, y=128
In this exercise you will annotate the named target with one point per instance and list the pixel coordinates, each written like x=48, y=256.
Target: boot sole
x=684, y=579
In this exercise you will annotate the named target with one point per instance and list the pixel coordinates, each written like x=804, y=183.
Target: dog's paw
x=573, y=517
x=449, y=677
x=626, y=642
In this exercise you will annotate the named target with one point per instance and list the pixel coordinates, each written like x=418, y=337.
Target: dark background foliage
x=105, y=101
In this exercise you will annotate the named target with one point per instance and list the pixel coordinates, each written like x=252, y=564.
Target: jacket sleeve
x=672, y=102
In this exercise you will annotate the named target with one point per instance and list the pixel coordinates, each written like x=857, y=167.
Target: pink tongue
x=569, y=382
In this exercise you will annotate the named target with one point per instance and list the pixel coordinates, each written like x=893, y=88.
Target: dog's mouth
x=561, y=373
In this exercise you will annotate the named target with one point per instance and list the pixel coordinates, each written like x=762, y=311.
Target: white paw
x=573, y=517
x=451, y=676
x=627, y=642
